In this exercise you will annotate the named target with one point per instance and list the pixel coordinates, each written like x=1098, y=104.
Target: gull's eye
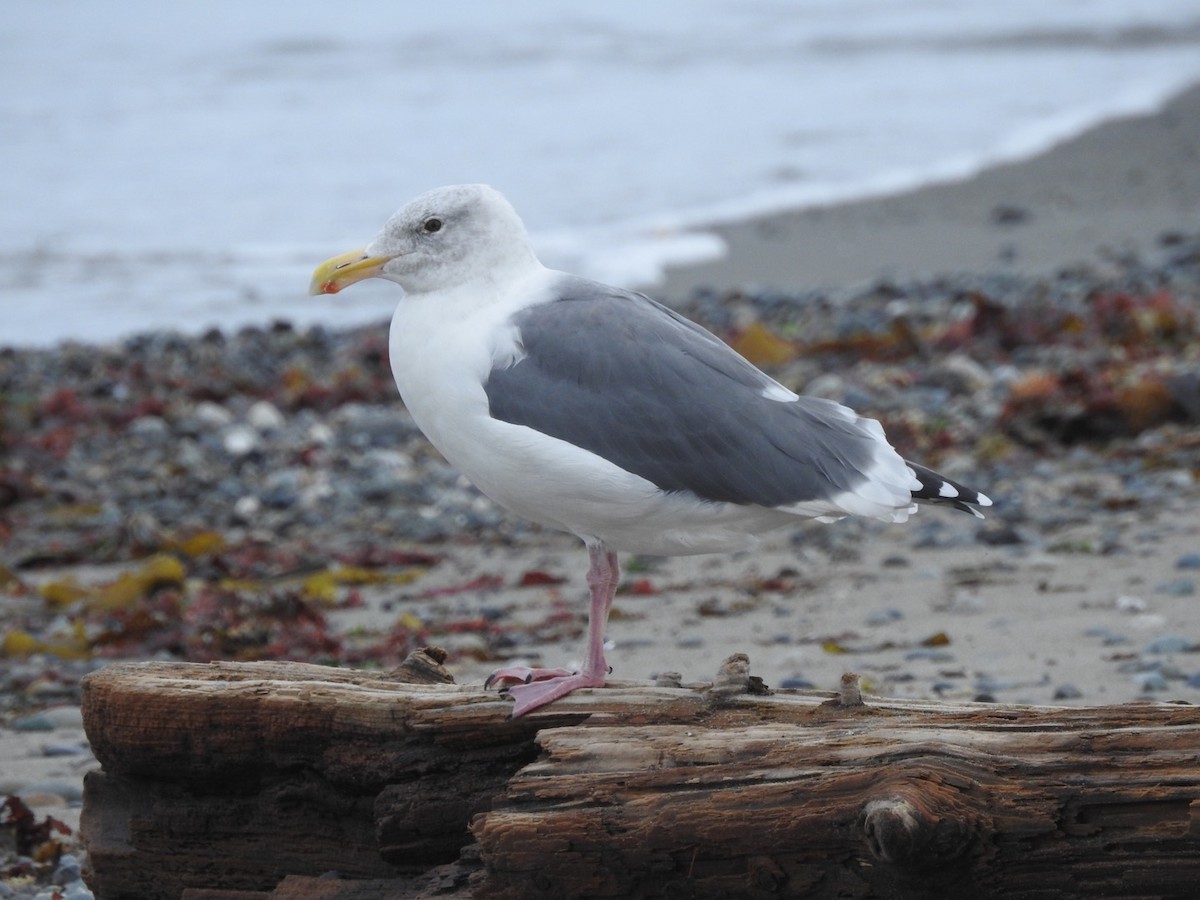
x=432, y=225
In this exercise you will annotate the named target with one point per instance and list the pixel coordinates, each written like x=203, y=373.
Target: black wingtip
x=937, y=488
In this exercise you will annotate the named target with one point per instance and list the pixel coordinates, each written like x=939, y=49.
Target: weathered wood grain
x=232, y=776
x=872, y=805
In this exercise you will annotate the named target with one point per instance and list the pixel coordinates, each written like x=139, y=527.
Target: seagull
x=600, y=412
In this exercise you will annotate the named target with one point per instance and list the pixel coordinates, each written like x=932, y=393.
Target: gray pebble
x=35, y=722
x=634, y=643
x=1109, y=636
x=152, y=428
x=1172, y=672
x=247, y=508
x=68, y=870
x=211, y=415
x=265, y=416
x=65, y=716
x=1131, y=605
x=239, y=440
x=1148, y=682
x=1001, y=534
x=884, y=616
x=987, y=685
x=1140, y=664
x=364, y=426
x=1180, y=587
x=381, y=483
x=1188, y=561
x=189, y=455
x=796, y=683
x=933, y=533
x=281, y=488
x=63, y=749
x=933, y=654
x=1067, y=692
x=1169, y=643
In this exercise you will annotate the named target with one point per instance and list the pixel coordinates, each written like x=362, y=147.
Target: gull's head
x=444, y=238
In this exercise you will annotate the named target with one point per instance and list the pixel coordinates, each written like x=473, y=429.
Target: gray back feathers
x=619, y=375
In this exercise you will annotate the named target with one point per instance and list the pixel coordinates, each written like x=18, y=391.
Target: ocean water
x=186, y=165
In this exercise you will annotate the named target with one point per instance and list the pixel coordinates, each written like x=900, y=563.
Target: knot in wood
x=915, y=832
x=892, y=829
x=766, y=874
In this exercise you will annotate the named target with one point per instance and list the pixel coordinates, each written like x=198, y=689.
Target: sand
x=1022, y=626
x=1113, y=190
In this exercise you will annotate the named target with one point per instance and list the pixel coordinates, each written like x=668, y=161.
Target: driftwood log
x=296, y=782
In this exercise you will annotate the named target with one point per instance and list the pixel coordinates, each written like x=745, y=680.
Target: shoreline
x=1110, y=192
x=1113, y=190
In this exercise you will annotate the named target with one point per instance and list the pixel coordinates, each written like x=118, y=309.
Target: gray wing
x=628, y=379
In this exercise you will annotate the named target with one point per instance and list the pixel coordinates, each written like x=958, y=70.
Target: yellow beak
x=342, y=271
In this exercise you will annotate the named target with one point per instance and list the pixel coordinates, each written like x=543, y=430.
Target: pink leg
x=538, y=687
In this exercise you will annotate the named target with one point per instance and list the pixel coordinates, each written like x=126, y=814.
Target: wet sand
x=1113, y=190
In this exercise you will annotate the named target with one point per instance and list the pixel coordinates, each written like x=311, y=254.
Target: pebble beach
x=262, y=494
